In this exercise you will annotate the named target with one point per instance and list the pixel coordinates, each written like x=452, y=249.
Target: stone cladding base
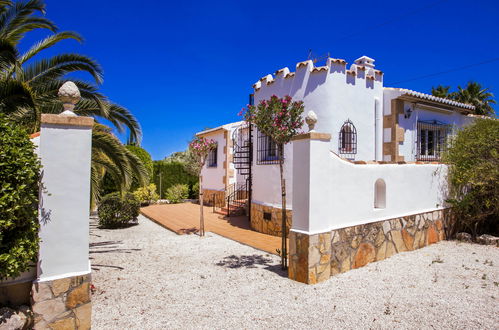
x=63, y=303
x=272, y=226
x=314, y=258
x=208, y=196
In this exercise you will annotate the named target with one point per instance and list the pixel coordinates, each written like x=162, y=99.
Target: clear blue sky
x=181, y=66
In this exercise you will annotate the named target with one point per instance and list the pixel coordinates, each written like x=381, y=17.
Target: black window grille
x=348, y=139
x=267, y=151
x=212, y=157
x=432, y=140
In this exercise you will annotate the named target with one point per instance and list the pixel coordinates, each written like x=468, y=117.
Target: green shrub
x=195, y=190
x=473, y=178
x=177, y=193
x=172, y=173
x=146, y=195
x=116, y=211
x=144, y=157
x=19, y=184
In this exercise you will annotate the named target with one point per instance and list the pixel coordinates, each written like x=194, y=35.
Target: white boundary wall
x=331, y=193
x=65, y=148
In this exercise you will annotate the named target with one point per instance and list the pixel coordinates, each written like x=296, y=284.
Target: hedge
x=19, y=184
x=172, y=173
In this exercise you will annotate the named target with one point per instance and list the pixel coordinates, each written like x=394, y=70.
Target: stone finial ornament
x=69, y=94
x=311, y=120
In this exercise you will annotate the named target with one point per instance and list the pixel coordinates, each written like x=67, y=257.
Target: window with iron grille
x=212, y=157
x=267, y=151
x=348, y=139
x=432, y=140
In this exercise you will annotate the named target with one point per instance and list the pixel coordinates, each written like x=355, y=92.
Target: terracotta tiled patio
x=184, y=218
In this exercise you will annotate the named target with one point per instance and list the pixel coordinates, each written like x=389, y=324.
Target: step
x=232, y=208
x=237, y=204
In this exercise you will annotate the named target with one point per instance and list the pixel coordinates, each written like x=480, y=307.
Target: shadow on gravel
x=107, y=247
x=251, y=261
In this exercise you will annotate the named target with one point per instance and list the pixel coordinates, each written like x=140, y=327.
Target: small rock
x=11, y=319
x=488, y=240
x=463, y=237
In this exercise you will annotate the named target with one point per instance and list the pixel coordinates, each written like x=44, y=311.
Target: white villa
x=372, y=157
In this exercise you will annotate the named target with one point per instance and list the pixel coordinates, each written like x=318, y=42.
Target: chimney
x=365, y=61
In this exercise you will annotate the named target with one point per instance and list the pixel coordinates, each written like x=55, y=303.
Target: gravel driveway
x=147, y=277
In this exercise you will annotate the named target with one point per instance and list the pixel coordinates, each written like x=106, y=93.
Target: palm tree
x=441, y=91
x=29, y=88
x=473, y=94
x=478, y=96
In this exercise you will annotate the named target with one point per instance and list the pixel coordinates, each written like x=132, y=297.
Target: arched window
x=380, y=194
x=348, y=139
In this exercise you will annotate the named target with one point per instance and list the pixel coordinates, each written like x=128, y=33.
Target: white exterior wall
x=65, y=152
x=335, y=97
x=343, y=192
x=408, y=148
x=213, y=176
x=267, y=179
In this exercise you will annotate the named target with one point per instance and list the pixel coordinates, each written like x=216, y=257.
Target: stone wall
x=314, y=258
x=208, y=196
x=272, y=226
x=62, y=303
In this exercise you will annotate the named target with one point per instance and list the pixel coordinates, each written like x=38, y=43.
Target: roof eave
x=446, y=106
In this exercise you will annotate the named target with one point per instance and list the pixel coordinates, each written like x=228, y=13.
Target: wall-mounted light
x=408, y=111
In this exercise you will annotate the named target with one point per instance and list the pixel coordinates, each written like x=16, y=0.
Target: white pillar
x=65, y=151
x=311, y=171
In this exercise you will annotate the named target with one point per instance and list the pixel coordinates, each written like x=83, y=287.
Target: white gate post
x=61, y=293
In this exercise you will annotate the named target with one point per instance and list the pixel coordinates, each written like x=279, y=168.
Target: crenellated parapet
x=361, y=71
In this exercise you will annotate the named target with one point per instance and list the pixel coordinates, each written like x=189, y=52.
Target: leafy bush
x=177, y=193
x=116, y=211
x=172, y=173
x=473, y=178
x=146, y=195
x=144, y=156
x=19, y=184
x=195, y=190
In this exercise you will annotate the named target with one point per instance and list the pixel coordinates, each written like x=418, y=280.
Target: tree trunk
x=201, y=214
x=284, y=246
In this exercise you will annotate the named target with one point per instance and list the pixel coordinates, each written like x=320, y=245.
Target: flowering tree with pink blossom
x=199, y=148
x=280, y=119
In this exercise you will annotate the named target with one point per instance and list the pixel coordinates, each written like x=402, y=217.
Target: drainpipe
x=378, y=130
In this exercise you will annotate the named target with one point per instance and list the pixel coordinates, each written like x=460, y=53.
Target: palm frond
x=16, y=20
x=58, y=66
x=122, y=115
x=110, y=156
x=14, y=94
x=49, y=42
x=8, y=55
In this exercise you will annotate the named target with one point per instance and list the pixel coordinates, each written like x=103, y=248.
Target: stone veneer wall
x=208, y=195
x=273, y=226
x=62, y=303
x=314, y=258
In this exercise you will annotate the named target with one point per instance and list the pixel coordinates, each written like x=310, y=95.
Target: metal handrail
x=240, y=192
